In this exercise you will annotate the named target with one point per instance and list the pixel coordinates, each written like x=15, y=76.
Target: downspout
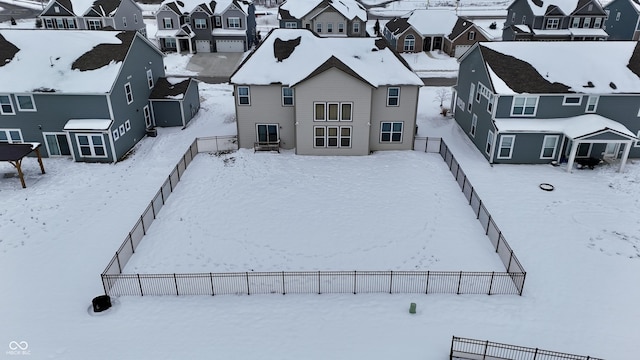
x=493, y=145
x=182, y=114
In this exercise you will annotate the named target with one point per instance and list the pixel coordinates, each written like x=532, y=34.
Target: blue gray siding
x=623, y=28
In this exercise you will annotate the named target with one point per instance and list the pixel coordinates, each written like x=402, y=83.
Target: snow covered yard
x=274, y=212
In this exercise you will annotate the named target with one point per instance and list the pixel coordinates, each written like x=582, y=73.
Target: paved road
x=12, y=11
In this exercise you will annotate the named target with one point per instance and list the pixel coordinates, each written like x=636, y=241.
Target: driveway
x=214, y=67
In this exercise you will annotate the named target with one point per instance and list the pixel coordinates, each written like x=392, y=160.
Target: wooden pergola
x=14, y=153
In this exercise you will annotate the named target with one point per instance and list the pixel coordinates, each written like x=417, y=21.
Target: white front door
x=611, y=151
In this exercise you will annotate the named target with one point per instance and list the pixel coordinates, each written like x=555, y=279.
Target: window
x=478, y=92
x=329, y=27
x=128, y=93
x=490, y=105
x=553, y=23
x=167, y=23
x=572, y=100
x=618, y=16
x=10, y=136
x=93, y=24
x=332, y=111
x=122, y=130
x=345, y=112
x=391, y=131
x=549, y=147
x=524, y=19
x=287, y=96
x=356, y=27
x=56, y=9
x=170, y=43
x=460, y=103
x=332, y=136
x=513, y=17
x=218, y=21
x=150, y=78
x=267, y=133
x=147, y=116
x=506, y=146
x=91, y=145
x=409, y=43
x=489, y=144
x=524, y=105
x=340, y=28
x=60, y=23
x=319, y=110
x=127, y=125
x=200, y=23
x=290, y=25
x=48, y=23
x=584, y=149
x=592, y=104
x=575, y=22
x=57, y=144
x=472, y=91
x=471, y=35
x=124, y=21
x=597, y=23
x=318, y=136
x=135, y=18
x=116, y=135
x=6, y=107
x=590, y=7
x=586, y=23
x=25, y=103
x=233, y=23
x=474, y=125
x=243, y=95
x=318, y=27
x=393, y=96
x=71, y=23
x=345, y=136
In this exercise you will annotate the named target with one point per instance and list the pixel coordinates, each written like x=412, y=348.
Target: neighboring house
x=93, y=15
x=554, y=20
x=217, y=26
x=467, y=32
x=327, y=18
x=518, y=107
x=325, y=96
x=623, y=20
x=88, y=99
x=427, y=30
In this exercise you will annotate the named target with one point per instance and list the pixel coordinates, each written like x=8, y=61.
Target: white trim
x=150, y=78
x=277, y=127
x=115, y=134
x=13, y=110
x=565, y=103
x=56, y=134
x=488, y=146
x=555, y=147
x=392, y=132
x=501, y=146
x=127, y=125
x=291, y=96
x=389, y=96
x=91, y=145
x=128, y=94
x=8, y=136
x=148, y=120
x=524, y=105
x=595, y=105
x=637, y=143
x=239, y=96
x=326, y=137
x=474, y=125
x=122, y=129
x=32, y=103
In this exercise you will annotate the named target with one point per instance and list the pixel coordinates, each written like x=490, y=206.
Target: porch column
x=572, y=155
x=177, y=44
x=625, y=155
x=190, y=46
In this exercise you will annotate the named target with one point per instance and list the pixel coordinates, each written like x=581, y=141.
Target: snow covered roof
x=104, y=8
x=289, y=56
x=595, y=67
x=539, y=7
x=481, y=25
x=34, y=61
x=88, y=124
x=170, y=88
x=211, y=7
x=432, y=21
x=523, y=28
x=574, y=127
x=297, y=9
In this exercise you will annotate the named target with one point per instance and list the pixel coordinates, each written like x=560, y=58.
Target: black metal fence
x=116, y=283
x=310, y=282
x=472, y=349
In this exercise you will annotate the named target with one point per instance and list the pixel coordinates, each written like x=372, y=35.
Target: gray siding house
x=554, y=20
x=96, y=15
x=325, y=95
x=327, y=18
x=519, y=108
x=216, y=26
x=88, y=100
x=174, y=101
x=623, y=20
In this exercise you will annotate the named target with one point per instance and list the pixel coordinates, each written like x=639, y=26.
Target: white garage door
x=203, y=46
x=230, y=45
x=461, y=49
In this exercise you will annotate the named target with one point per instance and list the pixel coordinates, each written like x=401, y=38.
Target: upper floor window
x=167, y=23
x=586, y=23
x=505, y=149
x=243, y=95
x=135, y=18
x=287, y=96
x=513, y=17
x=471, y=35
x=356, y=27
x=200, y=23
x=553, y=23
x=150, y=78
x=291, y=25
x=524, y=105
x=329, y=27
x=489, y=145
x=575, y=22
x=6, y=107
x=572, y=100
x=124, y=21
x=318, y=27
x=592, y=104
x=128, y=92
x=340, y=28
x=233, y=23
x=93, y=24
x=618, y=16
x=332, y=111
x=218, y=22
x=10, y=136
x=524, y=19
x=56, y=9
x=393, y=96
x=590, y=7
x=597, y=23
x=474, y=125
x=409, y=43
x=25, y=103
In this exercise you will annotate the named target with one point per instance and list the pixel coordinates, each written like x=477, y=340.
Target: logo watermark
x=18, y=348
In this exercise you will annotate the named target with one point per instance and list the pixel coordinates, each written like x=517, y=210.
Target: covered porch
x=179, y=39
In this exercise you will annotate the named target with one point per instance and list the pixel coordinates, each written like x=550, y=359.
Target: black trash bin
x=101, y=303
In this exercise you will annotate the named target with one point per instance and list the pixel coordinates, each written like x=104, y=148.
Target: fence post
x=104, y=283
x=319, y=283
x=133, y=250
x=170, y=184
x=153, y=209
x=391, y=282
x=119, y=267
x=471, y=196
x=283, y=289
x=459, y=282
x=535, y=354
x=524, y=277
x=488, y=223
x=498, y=243
x=144, y=231
x=486, y=347
x=457, y=172
x=427, y=289
x=140, y=284
x=355, y=279
x=211, y=279
x=248, y=291
x=175, y=281
x=479, y=208
x=510, y=257
x=491, y=282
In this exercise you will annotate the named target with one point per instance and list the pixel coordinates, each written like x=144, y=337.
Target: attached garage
x=461, y=49
x=230, y=45
x=203, y=46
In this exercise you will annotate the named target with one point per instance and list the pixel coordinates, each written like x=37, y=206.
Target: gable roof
x=635, y=4
x=594, y=67
x=297, y=9
x=211, y=7
x=104, y=8
x=566, y=7
x=431, y=21
x=365, y=58
x=89, y=62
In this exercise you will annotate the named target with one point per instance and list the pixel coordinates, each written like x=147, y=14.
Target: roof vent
x=613, y=86
x=282, y=49
x=589, y=85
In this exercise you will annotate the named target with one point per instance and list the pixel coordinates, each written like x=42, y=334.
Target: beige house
x=327, y=18
x=325, y=96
